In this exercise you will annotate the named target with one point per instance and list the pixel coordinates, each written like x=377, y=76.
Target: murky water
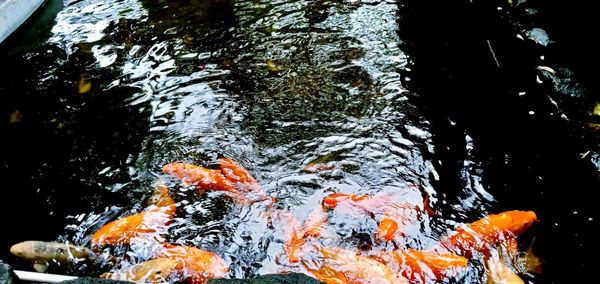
x=275, y=85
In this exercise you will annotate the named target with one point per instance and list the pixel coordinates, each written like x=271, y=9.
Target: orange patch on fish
x=387, y=229
x=395, y=218
x=175, y=264
x=203, y=178
x=163, y=200
x=243, y=181
x=372, y=204
x=329, y=275
x=293, y=245
x=236, y=173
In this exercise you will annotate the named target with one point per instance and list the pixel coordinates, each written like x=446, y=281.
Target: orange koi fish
x=203, y=178
x=231, y=177
x=420, y=266
x=369, y=204
x=196, y=266
x=337, y=266
x=311, y=229
x=126, y=230
x=151, y=222
x=480, y=236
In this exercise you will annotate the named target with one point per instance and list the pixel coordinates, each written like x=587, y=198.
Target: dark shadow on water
x=475, y=77
x=52, y=153
x=64, y=152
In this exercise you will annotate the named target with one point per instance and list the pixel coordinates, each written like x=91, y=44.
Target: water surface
x=275, y=85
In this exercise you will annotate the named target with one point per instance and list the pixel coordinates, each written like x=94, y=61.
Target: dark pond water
x=438, y=94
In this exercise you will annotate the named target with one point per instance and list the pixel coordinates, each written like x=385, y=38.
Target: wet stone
x=7, y=276
x=291, y=278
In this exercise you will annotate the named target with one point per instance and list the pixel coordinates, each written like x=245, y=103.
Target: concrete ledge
x=8, y=277
x=13, y=13
x=291, y=278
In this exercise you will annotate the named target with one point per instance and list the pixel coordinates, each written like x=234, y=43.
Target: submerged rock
x=7, y=276
x=291, y=278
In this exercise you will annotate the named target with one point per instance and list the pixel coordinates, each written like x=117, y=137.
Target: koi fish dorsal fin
x=235, y=172
x=162, y=199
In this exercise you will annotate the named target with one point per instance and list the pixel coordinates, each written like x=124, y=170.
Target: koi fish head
x=22, y=250
x=520, y=221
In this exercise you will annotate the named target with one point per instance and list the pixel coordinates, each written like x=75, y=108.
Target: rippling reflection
x=336, y=96
x=280, y=86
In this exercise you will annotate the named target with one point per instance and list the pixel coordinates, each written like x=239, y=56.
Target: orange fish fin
x=235, y=172
x=529, y=261
x=161, y=199
x=314, y=223
x=499, y=273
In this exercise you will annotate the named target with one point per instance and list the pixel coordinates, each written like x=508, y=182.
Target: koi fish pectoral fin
x=41, y=266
